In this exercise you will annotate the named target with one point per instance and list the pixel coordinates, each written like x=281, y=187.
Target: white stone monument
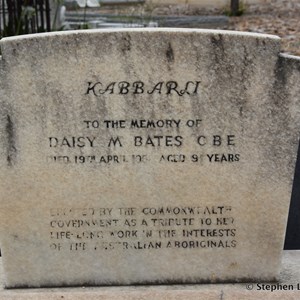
x=145, y=156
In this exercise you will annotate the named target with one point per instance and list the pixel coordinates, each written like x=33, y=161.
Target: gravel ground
x=279, y=17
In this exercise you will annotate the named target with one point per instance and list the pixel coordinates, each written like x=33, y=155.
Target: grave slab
x=145, y=156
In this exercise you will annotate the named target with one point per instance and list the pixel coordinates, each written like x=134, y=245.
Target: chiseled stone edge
x=7, y=154
x=145, y=30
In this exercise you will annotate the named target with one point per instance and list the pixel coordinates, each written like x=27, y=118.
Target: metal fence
x=24, y=16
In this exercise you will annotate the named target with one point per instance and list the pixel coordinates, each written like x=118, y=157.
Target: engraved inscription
x=133, y=228
x=113, y=142
x=139, y=87
x=146, y=141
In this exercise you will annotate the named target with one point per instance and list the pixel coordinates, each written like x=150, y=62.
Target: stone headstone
x=145, y=156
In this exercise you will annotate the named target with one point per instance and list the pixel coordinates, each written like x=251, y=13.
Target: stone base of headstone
x=287, y=288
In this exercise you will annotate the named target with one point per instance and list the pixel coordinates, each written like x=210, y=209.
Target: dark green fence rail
x=24, y=16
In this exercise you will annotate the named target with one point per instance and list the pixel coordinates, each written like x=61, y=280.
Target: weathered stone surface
x=145, y=156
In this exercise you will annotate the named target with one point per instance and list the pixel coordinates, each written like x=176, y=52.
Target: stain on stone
x=298, y=67
x=279, y=91
x=246, y=69
x=257, y=42
x=222, y=295
x=218, y=46
x=280, y=71
x=126, y=44
x=217, y=41
x=261, y=43
x=170, y=54
x=218, y=54
x=11, y=148
x=279, y=104
x=247, y=60
x=241, y=111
